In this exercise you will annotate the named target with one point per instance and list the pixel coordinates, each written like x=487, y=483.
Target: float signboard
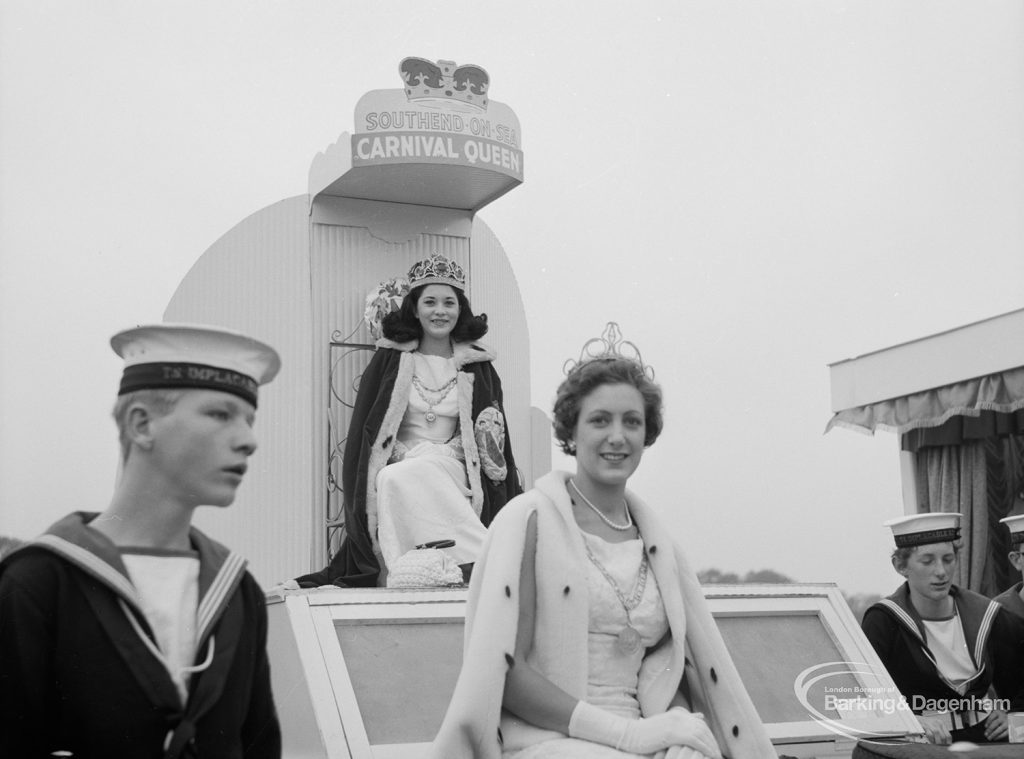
x=440, y=141
x=442, y=116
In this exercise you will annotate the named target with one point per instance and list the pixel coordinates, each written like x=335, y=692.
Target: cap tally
x=1016, y=526
x=194, y=356
x=924, y=529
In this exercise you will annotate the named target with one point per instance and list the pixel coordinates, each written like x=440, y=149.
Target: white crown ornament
x=437, y=83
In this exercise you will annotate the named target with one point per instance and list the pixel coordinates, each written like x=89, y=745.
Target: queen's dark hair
x=586, y=377
x=403, y=326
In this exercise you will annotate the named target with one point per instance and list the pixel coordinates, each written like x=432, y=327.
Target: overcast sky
x=753, y=190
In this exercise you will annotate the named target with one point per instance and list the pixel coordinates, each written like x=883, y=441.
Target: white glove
x=676, y=727
x=647, y=735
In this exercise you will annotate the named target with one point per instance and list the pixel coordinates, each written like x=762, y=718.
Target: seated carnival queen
x=587, y=633
x=428, y=458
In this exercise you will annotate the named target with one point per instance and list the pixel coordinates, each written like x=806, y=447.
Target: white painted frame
x=314, y=615
x=826, y=603
x=334, y=693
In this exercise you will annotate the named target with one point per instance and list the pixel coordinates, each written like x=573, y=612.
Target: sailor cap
x=194, y=356
x=1016, y=526
x=923, y=529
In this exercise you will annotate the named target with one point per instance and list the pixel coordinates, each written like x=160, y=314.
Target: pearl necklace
x=606, y=520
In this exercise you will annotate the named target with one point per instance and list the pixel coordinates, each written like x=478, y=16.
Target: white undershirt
x=952, y=657
x=168, y=588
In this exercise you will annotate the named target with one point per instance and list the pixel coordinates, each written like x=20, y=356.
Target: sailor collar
x=975, y=617
x=220, y=570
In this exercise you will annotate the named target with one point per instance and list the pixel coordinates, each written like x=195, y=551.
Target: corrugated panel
x=256, y=279
x=345, y=263
x=496, y=293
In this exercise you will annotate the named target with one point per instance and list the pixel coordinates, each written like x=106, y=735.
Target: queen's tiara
x=437, y=270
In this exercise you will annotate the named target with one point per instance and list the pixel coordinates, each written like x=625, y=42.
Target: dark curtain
x=952, y=478
x=974, y=465
x=1005, y=461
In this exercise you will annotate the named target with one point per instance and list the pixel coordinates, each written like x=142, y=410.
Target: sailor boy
x=129, y=632
x=1013, y=598
x=944, y=646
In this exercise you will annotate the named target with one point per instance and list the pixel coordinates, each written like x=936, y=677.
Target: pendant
x=431, y=417
x=628, y=641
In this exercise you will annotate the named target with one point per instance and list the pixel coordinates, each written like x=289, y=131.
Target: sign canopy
x=439, y=141
x=922, y=384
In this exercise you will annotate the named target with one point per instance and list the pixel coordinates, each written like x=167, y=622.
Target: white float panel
x=255, y=279
x=378, y=667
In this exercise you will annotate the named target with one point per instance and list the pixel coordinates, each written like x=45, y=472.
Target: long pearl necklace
x=606, y=520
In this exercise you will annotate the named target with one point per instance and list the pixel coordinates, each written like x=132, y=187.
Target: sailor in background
x=1013, y=598
x=945, y=646
x=129, y=633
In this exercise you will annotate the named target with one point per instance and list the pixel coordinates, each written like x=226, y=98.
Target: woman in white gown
x=428, y=456
x=587, y=634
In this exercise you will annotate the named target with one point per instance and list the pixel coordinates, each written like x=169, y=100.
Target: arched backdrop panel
x=297, y=277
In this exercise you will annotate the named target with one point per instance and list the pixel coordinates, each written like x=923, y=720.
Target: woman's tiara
x=609, y=345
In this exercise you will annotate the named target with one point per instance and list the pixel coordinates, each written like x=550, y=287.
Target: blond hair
x=160, y=402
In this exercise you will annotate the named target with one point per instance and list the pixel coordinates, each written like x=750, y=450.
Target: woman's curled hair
x=586, y=377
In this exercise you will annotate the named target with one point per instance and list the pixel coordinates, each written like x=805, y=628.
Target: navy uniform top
x=1011, y=600
x=995, y=639
x=76, y=676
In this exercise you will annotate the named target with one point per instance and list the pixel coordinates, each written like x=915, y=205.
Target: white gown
x=611, y=675
x=425, y=495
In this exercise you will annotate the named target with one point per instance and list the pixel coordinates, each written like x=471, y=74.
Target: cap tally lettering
x=165, y=375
